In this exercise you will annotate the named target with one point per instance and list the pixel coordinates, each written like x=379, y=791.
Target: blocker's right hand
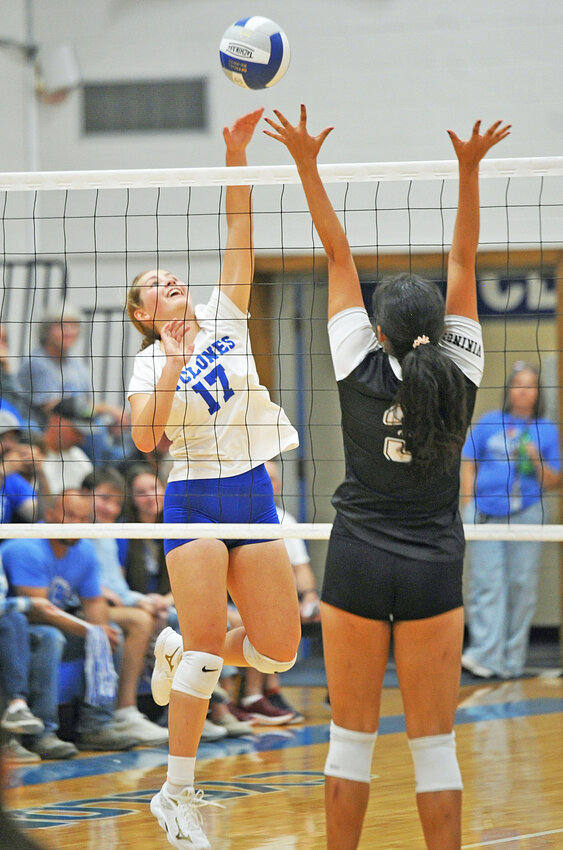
x=172, y=337
x=302, y=146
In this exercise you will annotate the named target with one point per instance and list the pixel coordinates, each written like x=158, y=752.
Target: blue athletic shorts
x=248, y=497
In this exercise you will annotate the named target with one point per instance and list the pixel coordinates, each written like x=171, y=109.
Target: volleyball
x=254, y=53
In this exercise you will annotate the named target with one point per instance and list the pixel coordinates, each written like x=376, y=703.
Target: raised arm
x=344, y=285
x=461, y=295
x=238, y=263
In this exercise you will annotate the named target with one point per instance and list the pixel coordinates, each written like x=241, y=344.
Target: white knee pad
x=197, y=674
x=262, y=662
x=435, y=763
x=350, y=753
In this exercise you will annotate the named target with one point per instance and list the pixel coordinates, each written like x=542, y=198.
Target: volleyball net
x=72, y=242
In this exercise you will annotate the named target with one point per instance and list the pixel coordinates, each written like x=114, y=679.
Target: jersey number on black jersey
x=395, y=448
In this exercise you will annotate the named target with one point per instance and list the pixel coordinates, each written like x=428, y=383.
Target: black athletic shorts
x=368, y=581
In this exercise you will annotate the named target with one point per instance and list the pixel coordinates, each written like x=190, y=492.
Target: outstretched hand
x=470, y=153
x=297, y=140
x=240, y=133
x=172, y=337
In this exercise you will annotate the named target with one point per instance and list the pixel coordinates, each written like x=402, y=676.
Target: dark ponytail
x=432, y=393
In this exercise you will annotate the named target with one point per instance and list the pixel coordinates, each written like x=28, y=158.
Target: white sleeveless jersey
x=222, y=422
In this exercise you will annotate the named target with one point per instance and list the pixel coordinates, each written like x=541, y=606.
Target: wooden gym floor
x=510, y=745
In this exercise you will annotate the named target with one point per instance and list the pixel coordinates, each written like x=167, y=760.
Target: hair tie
x=420, y=340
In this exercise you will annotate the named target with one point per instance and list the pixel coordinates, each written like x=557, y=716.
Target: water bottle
x=525, y=465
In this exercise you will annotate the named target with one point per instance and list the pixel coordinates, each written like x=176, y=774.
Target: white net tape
x=264, y=175
x=244, y=531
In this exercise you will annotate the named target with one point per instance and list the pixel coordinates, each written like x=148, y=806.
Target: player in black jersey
x=394, y=563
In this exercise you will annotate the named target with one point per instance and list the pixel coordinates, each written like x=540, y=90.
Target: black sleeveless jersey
x=380, y=500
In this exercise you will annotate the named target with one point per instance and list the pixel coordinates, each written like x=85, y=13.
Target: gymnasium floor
x=510, y=745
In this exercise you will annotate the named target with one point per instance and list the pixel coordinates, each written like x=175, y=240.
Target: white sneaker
x=18, y=718
x=211, y=732
x=469, y=663
x=167, y=653
x=130, y=721
x=179, y=816
x=235, y=728
x=14, y=753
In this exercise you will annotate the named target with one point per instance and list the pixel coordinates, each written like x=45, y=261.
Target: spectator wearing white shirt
x=66, y=464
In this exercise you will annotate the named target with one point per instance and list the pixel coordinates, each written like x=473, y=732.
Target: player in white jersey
x=395, y=556
x=196, y=381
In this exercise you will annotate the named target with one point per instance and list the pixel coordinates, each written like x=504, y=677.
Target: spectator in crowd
x=221, y=717
x=34, y=671
x=11, y=398
x=10, y=433
x=158, y=460
x=512, y=457
x=17, y=496
x=134, y=612
x=66, y=571
x=110, y=440
x=52, y=373
x=66, y=464
x=26, y=458
x=143, y=560
x=17, y=717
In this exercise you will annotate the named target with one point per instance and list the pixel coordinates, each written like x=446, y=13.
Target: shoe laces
x=189, y=805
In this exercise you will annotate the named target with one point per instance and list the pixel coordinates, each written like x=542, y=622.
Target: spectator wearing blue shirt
x=27, y=459
x=66, y=572
x=512, y=457
x=17, y=496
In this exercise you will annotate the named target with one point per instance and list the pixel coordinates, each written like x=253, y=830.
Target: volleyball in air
x=254, y=53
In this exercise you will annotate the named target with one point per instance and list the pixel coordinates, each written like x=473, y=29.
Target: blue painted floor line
x=273, y=739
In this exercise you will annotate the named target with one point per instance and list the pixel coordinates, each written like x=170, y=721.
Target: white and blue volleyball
x=254, y=53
